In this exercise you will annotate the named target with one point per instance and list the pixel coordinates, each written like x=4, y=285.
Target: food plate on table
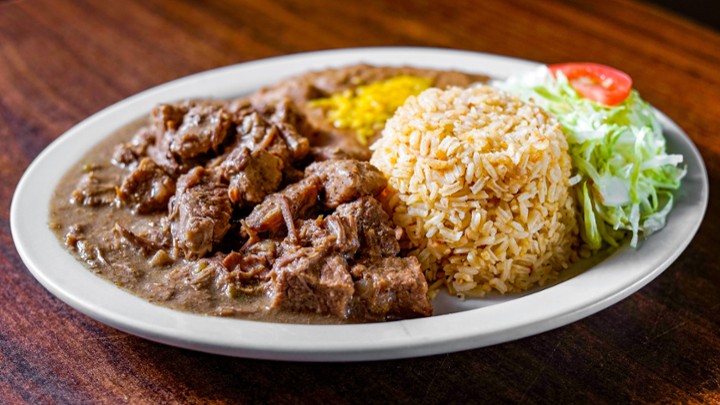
x=581, y=290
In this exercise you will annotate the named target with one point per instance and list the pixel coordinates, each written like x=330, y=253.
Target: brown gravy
x=131, y=270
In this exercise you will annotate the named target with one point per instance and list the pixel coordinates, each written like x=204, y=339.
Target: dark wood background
x=63, y=60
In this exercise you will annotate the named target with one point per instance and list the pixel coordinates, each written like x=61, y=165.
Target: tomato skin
x=600, y=83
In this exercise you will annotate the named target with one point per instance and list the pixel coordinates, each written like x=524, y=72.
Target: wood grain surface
x=63, y=60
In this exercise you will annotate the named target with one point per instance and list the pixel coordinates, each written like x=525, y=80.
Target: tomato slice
x=599, y=83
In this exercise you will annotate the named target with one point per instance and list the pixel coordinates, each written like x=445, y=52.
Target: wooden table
x=63, y=60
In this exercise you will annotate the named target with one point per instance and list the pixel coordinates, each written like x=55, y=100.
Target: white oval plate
x=473, y=323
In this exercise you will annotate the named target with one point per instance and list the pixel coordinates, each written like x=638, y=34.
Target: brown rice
x=479, y=181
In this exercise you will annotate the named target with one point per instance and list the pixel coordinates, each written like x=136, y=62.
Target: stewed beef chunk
x=308, y=280
x=361, y=227
x=284, y=111
x=129, y=153
x=186, y=133
x=200, y=213
x=358, y=228
x=332, y=233
x=390, y=288
x=264, y=150
x=164, y=159
x=298, y=145
x=276, y=128
x=193, y=129
x=255, y=133
x=167, y=117
x=252, y=261
x=165, y=120
x=91, y=190
x=255, y=163
x=147, y=188
x=294, y=127
x=372, y=224
x=252, y=176
x=284, y=207
x=346, y=180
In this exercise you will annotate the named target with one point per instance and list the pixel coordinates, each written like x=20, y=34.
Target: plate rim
x=398, y=339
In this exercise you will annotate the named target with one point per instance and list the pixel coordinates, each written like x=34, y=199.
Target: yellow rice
x=479, y=181
x=366, y=108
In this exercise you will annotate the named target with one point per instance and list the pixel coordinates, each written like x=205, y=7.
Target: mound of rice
x=479, y=181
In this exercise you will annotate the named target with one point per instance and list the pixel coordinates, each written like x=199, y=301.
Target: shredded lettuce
x=622, y=173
